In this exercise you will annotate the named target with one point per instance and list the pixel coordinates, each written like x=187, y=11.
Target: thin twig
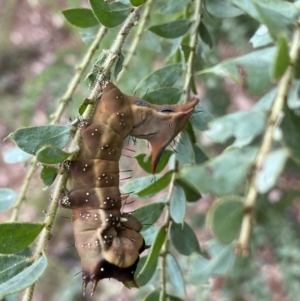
x=114, y=51
x=137, y=38
x=193, y=43
x=242, y=246
x=56, y=116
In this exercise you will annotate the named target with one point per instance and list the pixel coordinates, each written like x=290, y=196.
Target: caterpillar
x=109, y=242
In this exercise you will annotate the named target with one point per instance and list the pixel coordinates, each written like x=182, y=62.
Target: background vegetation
x=229, y=194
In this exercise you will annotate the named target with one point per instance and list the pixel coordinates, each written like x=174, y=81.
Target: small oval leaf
x=145, y=163
x=48, y=175
x=15, y=155
x=161, y=78
x=80, y=17
x=17, y=236
x=155, y=248
x=7, y=198
x=110, y=14
x=52, y=155
x=149, y=214
x=178, y=205
x=31, y=139
x=19, y=279
x=225, y=218
x=171, y=30
x=184, y=239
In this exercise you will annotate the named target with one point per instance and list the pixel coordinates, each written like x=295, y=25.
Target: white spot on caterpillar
x=89, y=245
x=86, y=200
x=95, y=215
x=93, y=134
x=123, y=220
x=107, y=219
x=110, y=215
x=102, y=269
x=87, y=193
x=65, y=201
x=96, y=130
x=132, y=239
x=108, y=198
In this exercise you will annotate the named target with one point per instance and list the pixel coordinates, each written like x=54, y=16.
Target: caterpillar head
x=159, y=124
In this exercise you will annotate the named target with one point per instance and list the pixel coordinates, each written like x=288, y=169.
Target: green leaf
x=178, y=205
x=155, y=248
x=119, y=65
x=220, y=264
x=48, y=175
x=135, y=185
x=223, y=175
x=7, y=198
x=291, y=135
x=282, y=58
x=15, y=155
x=80, y=17
x=52, y=155
x=172, y=30
x=285, y=9
x=149, y=214
x=276, y=22
x=17, y=236
x=31, y=139
x=191, y=194
x=293, y=100
x=261, y=37
x=153, y=296
x=225, y=218
x=156, y=186
x=222, y=9
x=110, y=15
x=205, y=35
x=88, y=34
x=252, y=70
x=201, y=117
x=244, y=126
x=184, y=239
x=175, y=274
x=169, y=95
x=173, y=6
x=15, y=275
x=145, y=162
x=184, y=149
x=271, y=169
x=265, y=103
x=200, y=156
x=137, y=2
x=144, y=278
x=149, y=235
x=161, y=78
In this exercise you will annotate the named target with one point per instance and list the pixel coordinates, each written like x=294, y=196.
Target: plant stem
x=193, y=43
x=136, y=39
x=242, y=246
x=56, y=116
x=114, y=51
x=167, y=224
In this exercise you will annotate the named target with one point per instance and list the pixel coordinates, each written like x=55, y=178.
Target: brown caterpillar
x=108, y=241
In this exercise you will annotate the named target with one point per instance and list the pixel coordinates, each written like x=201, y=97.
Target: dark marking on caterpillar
x=108, y=240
